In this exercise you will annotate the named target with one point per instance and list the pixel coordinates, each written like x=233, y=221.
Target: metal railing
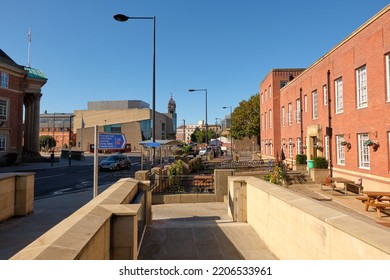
x=241, y=165
x=182, y=184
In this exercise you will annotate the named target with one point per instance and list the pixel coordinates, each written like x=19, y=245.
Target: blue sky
x=225, y=46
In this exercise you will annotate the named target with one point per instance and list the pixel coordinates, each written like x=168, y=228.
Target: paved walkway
x=200, y=231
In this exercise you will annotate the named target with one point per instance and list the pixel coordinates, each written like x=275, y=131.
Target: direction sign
x=112, y=141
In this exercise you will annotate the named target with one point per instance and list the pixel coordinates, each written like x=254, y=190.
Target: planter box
x=318, y=175
x=300, y=167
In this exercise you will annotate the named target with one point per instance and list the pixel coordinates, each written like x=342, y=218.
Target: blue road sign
x=152, y=144
x=112, y=141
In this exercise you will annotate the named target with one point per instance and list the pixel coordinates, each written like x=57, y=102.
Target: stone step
x=300, y=178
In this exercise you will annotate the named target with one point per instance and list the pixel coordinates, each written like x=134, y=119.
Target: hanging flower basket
x=375, y=145
x=346, y=144
x=369, y=143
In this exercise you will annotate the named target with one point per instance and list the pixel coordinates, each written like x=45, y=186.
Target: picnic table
x=346, y=182
x=379, y=200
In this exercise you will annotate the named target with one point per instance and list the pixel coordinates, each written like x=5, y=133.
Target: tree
x=246, y=119
x=196, y=136
x=46, y=142
x=199, y=135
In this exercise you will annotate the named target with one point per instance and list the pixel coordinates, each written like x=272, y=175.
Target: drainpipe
x=301, y=112
x=329, y=132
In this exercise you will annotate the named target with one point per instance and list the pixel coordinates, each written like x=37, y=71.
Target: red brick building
x=270, y=117
x=19, y=86
x=338, y=108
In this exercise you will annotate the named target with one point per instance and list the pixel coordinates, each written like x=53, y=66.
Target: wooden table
x=376, y=199
x=342, y=180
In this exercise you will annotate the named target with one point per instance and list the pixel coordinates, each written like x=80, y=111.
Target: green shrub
x=277, y=176
x=321, y=163
x=300, y=158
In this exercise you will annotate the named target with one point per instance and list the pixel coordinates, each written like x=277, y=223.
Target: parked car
x=115, y=162
x=205, y=151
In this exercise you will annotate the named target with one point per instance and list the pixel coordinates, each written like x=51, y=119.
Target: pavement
x=18, y=232
x=200, y=231
x=204, y=231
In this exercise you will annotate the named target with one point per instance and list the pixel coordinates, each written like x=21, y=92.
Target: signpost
x=105, y=141
x=112, y=141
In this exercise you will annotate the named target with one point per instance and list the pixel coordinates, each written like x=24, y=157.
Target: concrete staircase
x=299, y=178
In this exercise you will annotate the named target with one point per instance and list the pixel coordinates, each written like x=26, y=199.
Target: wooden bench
x=353, y=186
x=362, y=198
x=379, y=206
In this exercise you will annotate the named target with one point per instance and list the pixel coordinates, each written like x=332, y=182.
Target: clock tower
x=171, y=106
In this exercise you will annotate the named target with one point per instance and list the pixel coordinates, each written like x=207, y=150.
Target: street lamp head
x=224, y=107
x=120, y=17
x=191, y=90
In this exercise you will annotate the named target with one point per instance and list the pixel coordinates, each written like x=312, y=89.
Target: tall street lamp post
x=207, y=126
x=230, y=132
x=122, y=18
x=184, y=130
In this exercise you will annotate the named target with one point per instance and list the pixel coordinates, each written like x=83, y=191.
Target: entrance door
x=314, y=146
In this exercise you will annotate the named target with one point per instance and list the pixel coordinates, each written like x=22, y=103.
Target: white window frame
x=265, y=95
x=299, y=145
x=361, y=87
x=283, y=117
x=325, y=94
x=270, y=144
x=340, y=150
x=338, y=91
x=327, y=147
x=270, y=92
x=265, y=120
x=305, y=102
x=3, y=142
x=3, y=109
x=315, y=104
x=262, y=121
x=270, y=118
x=298, y=111
x=388, y=76
x=364, y=151
x=4, y=80
x=290, y=147
x=262, y=145
x=289, y=114
x=262, y=98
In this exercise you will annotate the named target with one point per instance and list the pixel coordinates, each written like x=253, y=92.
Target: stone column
x=31, y=130
x=27, y=122
x=35, y=124
x=221, y=182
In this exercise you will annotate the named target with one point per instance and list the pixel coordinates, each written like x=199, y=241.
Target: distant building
x=58, y=126
x=184, y=132
x=133, y=118
x=19, y=85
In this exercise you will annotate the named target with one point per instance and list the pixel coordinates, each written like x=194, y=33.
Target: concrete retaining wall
x=298, y=228
x=105, y=228
x=220, y=191
x=16, y=194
